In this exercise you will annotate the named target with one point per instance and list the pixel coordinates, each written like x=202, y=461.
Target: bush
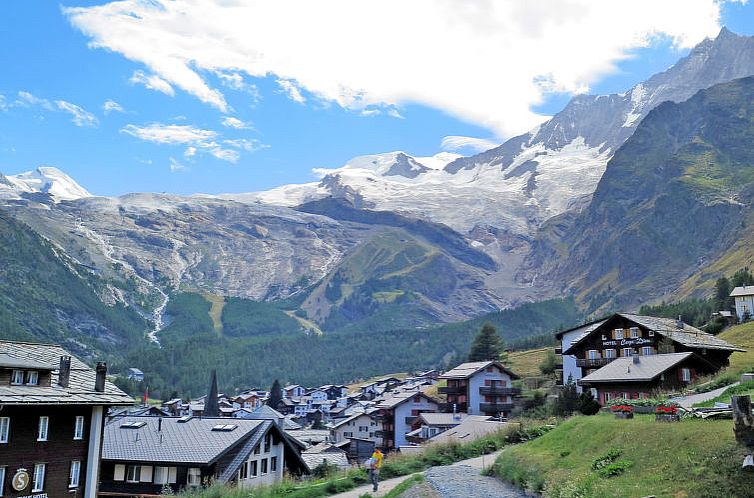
x=587, y=404
x=615, y=469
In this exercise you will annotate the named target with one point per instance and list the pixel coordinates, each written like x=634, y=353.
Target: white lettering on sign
x=38, y=495
x=628, y=342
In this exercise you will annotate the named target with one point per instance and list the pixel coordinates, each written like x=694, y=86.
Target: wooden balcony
x=495, y=408
x=452, y=390
x=499, y=391
x=448, y=407
x=384, y=434
x=594, y=363
x=559, y=350
x=411, y=420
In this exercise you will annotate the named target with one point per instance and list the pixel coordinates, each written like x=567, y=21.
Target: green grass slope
x=693, y=458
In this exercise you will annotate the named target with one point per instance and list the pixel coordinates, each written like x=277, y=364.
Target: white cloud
x=26, y=99
x=196, y=140
x=484, y=61
x=112, y=106
x=176, y=166
x=153, y=82
x=455, y=142
x=80, y=116
x=3, y=103
x=291, y=89
x=231, y=122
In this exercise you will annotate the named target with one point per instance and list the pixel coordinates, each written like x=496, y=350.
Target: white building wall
x=353, y=426
x=276, y=450
x=569, y=361
x=477, y=381
x=744, y=303
x=404, y=410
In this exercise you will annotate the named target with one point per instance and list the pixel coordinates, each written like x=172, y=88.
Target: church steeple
x=211, y=408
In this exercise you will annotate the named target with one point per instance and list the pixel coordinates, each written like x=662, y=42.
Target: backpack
x=370, y=463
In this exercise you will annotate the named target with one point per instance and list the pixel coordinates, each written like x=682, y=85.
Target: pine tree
x=568, y=400
x=276, y=394
x=722, y=298
x=487, y=345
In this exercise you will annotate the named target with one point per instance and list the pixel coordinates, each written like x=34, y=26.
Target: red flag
x=146, y=395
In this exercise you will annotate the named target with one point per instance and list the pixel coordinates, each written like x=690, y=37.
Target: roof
x=444, y=418
x=310, y=436
x=593, y=325
x=316, y=455
x=8, y=361
x=470, y=429
x=80, y=390
x=395, y=399
x=466, y=370
x=348, y=419
x=625, y=370
x=688, y=336
x=192, y=441
x=746, y=290
x=135, y=371
x=266, y=412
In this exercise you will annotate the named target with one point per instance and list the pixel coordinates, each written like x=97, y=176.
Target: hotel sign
x=638, y=341
x=20, y=480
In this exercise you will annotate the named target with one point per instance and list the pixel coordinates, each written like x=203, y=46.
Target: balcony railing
x=448, y=407
x=495, y=408
x=452, y=390
x=499, y=391
x=384, y=434
x=411, y=420
x=558, y=350
x=593, y=363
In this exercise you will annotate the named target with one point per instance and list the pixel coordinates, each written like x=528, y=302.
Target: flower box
x=666, y=417
x=667, y=412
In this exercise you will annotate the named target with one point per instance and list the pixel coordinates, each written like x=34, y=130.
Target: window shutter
x=146, y=473
x=120, y=472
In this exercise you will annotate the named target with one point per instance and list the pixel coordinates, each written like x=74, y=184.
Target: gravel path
x=688, y=401
x=457, y=481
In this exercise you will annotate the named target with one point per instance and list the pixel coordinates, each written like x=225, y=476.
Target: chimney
x=159, y=424
x=99, y=381
x=64, y=373
x=679, y=323
x=636, y=359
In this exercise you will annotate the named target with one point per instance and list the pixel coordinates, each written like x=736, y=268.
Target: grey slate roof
x=448, y=418
x=191, y=442
x=80, y=390
x=584, y=330
x=625, y=370
x=466, y=370
x=265, y=412
x=394, y=399
x=316, y=455
x=746, y=290
x=689, y=336
x=470, y=429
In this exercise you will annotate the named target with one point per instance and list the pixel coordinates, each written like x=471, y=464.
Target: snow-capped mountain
x=529, y=178
x=44, y=180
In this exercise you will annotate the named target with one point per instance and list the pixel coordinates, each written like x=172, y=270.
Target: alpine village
x=565, y=313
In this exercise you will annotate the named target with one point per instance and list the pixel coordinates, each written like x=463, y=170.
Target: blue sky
x=243, y=125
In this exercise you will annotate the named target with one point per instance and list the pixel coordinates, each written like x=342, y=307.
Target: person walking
x=375, y=463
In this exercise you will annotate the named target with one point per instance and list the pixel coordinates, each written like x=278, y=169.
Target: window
x=32, y=377
x=610, y=353
x=44, y=422
x=165, y=475
x=651, y=333
x=243, y=472
x=78, y=429
x=194, y=476
x=4, y=429
x=628, y=351
x=608, y=397
x=634, y=331
x=274, y=464
x=619, y=333
x=646, y=350
x=39, y=477
x=264, y=466
x=685, y=375
x=348, y=434
x=267, y=442
x=133, y=473
x=593, y=354
x=73, y=477
x=604, y=337
x=17, y=377
x=2, y=480
x=254, y=471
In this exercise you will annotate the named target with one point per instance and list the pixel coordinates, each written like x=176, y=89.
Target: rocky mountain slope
x=676, y=197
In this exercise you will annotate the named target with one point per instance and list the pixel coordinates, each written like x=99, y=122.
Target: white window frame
x=17, y=378
x=614, y=353
x=43, y=428
x=78, y=428
x=2, y=479
x=32, y=378
x=618, y=333
x=647, y=351
x=194, y=477
x=162, y=475
x=593, y=354
x=633, y=332
x=274, y=464
x=253, y=469
x=651, y=333
x=686, y=375
x=608, y=396
x=630, y=352
x=75, y=473
x=134, y=476
x=38, y=482
x=4, y=429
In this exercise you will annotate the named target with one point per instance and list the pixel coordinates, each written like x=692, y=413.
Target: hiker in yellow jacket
x=374, y=463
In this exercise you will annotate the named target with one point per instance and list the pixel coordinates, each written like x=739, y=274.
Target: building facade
x=397, y=412
x=51, y=422
x=480, y=388
x=744, y=300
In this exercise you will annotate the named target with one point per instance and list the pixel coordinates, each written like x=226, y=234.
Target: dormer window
x=32, y=377
x=17, y=378
x=634, y=332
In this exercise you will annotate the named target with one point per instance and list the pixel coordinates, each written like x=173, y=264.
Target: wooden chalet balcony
x=595, y=363
x=452, y=390
x=499, y=391
x=411, y=420
x=448, y=407
x=382, y=416
x=559, y=350
x=495, y=408
x=384, y=434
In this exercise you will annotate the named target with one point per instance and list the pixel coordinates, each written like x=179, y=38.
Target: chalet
x=744, y=299
x=428, y=425
x=52, y=416
x=480, y=388
x=360, y=425
x=334, y=391
x=637, y=377
x=358, y=450
x=142, y=456
x=594, y=345
x=294, y=391
x=135, y=374
x=397, y=412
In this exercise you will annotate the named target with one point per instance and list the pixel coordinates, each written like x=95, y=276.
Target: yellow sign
x=20, y=480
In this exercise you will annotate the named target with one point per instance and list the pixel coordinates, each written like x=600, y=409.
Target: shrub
x=615, y=469
x=588, y=405
x=606, y=459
